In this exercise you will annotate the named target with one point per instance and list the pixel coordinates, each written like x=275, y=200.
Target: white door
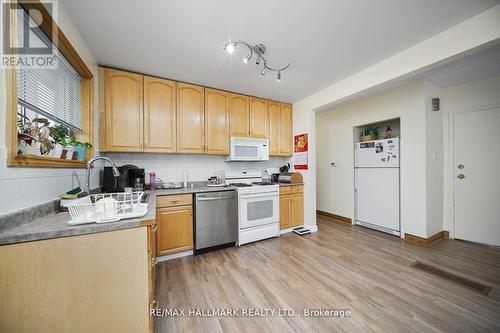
x=477, y=176
x=377, y=197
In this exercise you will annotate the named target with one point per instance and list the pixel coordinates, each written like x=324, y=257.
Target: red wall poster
x=300, y=152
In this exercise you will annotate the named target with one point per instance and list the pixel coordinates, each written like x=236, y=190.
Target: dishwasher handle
x=213, y=198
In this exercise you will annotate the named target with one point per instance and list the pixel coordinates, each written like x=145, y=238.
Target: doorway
x=476, y=184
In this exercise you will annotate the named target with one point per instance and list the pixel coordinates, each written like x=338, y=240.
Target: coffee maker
x=130, y=176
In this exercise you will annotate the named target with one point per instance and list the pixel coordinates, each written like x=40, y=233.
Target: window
x=60, y=95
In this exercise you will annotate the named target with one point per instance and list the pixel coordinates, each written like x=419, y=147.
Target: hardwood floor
x=340, y=267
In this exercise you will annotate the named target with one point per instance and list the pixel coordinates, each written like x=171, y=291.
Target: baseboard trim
x=427, y=241
x=174, y=255
x=336, y=217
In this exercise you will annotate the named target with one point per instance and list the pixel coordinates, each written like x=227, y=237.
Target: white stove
x=258, y=206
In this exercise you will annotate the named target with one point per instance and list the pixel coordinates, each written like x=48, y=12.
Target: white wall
x=458, y=41
x=455, y=99
x=426, y=149
x=335, y=185
x=24, y=187
x=434, y=161
x=169, y=167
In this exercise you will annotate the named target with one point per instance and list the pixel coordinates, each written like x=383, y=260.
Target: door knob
x=461, y=176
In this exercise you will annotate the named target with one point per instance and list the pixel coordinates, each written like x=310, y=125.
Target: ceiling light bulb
x=279, y=77
x=257, y=62
x=247, y=58
x=230, y=48
x=263, y=70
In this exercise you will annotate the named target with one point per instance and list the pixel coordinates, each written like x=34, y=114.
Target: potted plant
x=69, y=151
x=45, y=143
x=80, y=149
x=26, y=140
x=369, y=134
x=33, y=139
x=60, y=134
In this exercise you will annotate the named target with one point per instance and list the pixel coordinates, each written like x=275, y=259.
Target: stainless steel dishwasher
x=216, y=220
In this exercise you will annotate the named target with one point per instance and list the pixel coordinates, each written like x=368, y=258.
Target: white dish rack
x=107, y=207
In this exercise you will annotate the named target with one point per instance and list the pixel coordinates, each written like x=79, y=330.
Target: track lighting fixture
x=229, y=48
x=259, y=50
x=247, y=58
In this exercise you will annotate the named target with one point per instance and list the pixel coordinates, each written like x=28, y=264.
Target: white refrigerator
x=376, y=185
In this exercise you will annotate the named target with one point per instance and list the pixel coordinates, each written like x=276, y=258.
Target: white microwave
x=248, y=149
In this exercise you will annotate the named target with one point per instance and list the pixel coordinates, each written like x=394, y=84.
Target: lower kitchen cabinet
x=153, y=303
x=291, y=206
x=87, y=283
x=297, y=209
x=175, y=229
x=285, y=211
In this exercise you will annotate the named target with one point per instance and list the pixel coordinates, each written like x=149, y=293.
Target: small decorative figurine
x=388, y=132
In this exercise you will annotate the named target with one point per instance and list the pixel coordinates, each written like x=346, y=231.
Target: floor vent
x=478, y=287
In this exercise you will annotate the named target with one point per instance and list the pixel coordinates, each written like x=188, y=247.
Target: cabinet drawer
x=297, y=189
x=174, y=200
x=285, y=190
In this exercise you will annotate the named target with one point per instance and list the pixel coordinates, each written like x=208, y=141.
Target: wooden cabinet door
x=240, y=116
x=159, y=115
x=217, y=122
x=124, y=117
x=297, y=209
x=190, y=118
x=286, y=130
x=175, y=229
x=285, y=211
x=151, y=270
x=273, y=110
x=259, y=118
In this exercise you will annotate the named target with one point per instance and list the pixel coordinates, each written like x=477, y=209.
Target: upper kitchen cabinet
x=217, y=104
x=159, y=115
x=147, y=114
x=240, y=115
x=273, y=109
x=259, y=118
x=190, y=118
x=123, y=111
x=286, y=130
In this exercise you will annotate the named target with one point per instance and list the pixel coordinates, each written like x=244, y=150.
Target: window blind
x=52, y=92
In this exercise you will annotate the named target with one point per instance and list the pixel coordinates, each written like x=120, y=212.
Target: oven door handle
x=260, y=195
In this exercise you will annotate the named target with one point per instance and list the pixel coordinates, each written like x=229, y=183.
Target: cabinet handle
x=153, y=262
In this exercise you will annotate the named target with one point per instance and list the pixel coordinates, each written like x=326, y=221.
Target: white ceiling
x=477, y=66
x=324, y=40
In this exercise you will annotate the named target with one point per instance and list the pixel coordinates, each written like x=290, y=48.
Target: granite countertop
x=54, y=225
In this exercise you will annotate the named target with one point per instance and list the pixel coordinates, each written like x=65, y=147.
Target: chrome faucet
x=116, y=173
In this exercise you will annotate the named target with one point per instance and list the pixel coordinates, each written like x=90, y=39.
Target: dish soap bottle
x=152, y=181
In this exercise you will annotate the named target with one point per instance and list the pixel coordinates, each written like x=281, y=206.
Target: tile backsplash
x=170, y=167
